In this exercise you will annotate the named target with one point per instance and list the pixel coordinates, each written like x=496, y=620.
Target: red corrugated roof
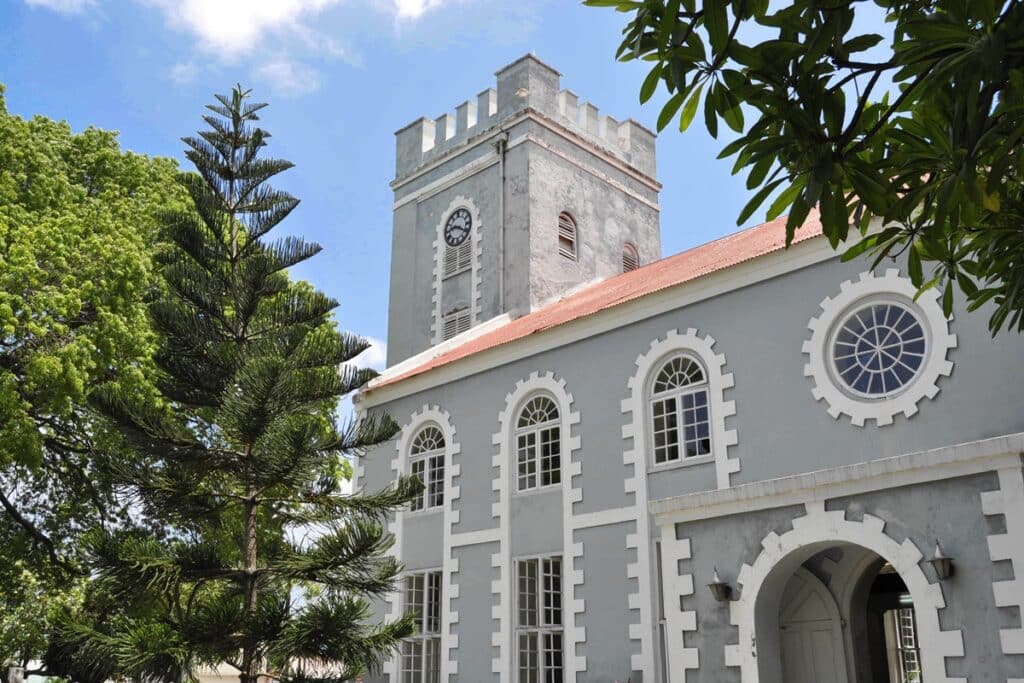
x=683, y=267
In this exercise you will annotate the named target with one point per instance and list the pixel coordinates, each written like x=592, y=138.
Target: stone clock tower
x=516, y=199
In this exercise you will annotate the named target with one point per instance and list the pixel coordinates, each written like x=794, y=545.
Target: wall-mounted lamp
x=943, y=565
x=721, y=590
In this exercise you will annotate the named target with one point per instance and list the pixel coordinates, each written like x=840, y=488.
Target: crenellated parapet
x=526, y=84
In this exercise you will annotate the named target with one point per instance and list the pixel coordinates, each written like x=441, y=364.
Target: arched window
x=538, y=444
x=567, y=235
x=681, y=424
x=630, y=257
x=426, y=461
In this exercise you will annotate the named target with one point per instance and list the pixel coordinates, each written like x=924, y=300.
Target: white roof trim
x=439, y=349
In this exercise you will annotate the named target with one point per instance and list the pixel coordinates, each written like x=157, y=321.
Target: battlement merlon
x=526, y=83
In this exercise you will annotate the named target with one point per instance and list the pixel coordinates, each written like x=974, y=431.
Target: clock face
x=456, y=230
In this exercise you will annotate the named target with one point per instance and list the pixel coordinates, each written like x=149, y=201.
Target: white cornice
x=849, y=480
x=801, y=255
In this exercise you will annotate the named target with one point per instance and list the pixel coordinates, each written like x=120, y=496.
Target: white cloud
x=184, y=72
x=413, y=9
x=289, y=78
x=232, y=28
x=236, y=27
x=63, y=6
x=376, y=356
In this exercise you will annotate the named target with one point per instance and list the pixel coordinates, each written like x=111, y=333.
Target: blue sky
x=341, y=76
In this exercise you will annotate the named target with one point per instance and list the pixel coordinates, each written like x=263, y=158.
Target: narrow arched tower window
x=567, y=235
x=630, y=258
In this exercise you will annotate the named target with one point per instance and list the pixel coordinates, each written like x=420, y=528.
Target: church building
x=740, y=463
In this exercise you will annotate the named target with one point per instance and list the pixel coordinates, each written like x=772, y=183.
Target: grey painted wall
x=949, y=510
x=782, y=431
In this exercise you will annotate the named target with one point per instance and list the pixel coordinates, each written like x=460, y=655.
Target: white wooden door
x=811, y=632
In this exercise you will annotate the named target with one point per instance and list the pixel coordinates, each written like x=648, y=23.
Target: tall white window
x=567, y=237
x=426, y=461
x=539, y=620
x=421, y=653
x=681, y=424
x=538, y=444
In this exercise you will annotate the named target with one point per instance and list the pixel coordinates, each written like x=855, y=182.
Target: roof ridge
x=617, y=290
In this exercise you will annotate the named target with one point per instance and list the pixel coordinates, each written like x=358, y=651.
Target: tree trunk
x=250, y=661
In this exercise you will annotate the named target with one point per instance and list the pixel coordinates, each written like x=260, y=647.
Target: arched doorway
x=763, y=588
x=847, y=616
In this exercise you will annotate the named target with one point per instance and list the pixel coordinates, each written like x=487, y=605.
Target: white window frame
x=419, y=660
x=429, y=466
x=852, y=295
x=534, y=437
x=569, y=231
x=678, y=395
x=908, y=646
x=544, y=630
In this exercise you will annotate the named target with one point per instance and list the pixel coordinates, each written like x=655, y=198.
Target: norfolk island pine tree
x=260, y=560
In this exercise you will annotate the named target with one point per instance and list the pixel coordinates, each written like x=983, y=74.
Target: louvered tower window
x=567, y=235
x=630, y=258
x=458, y=259
x=455, y=323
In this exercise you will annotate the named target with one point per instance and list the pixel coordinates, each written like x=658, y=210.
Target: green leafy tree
x=262, y=562
x=923, y=131
x=77, y=232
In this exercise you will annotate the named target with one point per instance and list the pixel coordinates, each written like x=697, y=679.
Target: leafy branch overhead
x=920, y=127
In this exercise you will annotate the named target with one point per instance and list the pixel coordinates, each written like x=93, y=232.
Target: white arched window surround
x=638, y=405
x=538, y=443
x=679, y=411
x=426, y=415
x=427, y=461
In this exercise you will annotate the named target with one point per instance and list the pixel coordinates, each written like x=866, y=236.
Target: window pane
x=417, y=469
x=550, y=460
x=666, y=435
x=433, y=661
x=552, y=591
x=527, y=593
x=414, y=599
x=435, y=487
x=427, y=439
x=433, y=606
x=526, y=455
x=529, y=660
x=553, y=657
x=412, y=661
x=696, y=425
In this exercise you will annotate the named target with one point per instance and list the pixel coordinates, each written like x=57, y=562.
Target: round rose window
x=878, y=349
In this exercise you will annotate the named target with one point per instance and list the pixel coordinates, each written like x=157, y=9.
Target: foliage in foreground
x=77, y=232
x=262, y=562
x=924, y=133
